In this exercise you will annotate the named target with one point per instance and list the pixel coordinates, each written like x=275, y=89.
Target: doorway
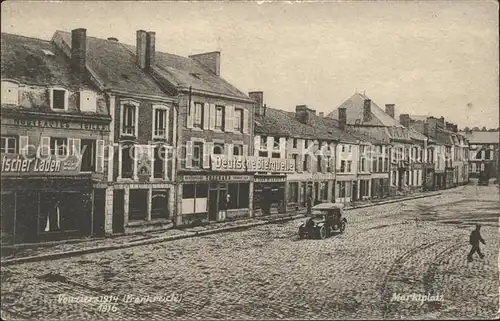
x=213, y=202
x=354, y=191
x=118, y=210
x=99, y=211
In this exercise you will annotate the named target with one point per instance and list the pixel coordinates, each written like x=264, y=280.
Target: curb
x=59, y=255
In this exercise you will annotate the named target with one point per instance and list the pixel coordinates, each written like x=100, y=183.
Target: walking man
x=474, y=239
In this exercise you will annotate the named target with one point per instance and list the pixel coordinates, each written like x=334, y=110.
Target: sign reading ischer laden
x=16, y=164
x=252, y=164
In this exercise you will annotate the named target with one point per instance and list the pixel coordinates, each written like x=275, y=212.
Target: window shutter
x=230, y=150
x=245, y=121
x=229, y=119
x=166, y=172
x=189, y=115
x=206, y=115
x=76, y=148
x=99, y=163
x=23, y=144
x=256, y=145
x=167, y=122
x=283, y=147
x=211, y=122
x=189, y=154
x=208, y=149
x=44, y=146
x=245, y=150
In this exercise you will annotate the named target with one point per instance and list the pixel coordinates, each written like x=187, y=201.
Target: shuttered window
x=238, y=120
x=9, y=145
x=219, y=117
x=198, y=115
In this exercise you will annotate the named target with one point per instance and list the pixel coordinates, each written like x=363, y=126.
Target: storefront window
x=159, y=204
x=61, y=211
x=239, y=194
x=194, y=198
x=293, y=193
x=137, y=206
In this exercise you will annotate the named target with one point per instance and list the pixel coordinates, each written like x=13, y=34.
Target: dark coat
x=475, y=238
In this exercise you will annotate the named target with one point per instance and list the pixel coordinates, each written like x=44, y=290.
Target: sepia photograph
x=250, y=160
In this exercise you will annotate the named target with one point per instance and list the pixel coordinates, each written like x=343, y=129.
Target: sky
x=436, y=58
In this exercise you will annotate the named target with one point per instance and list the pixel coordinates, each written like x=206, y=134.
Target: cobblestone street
x=266, y=272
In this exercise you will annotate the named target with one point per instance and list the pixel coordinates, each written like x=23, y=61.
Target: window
x=198, y=115
x=342, y=147
x=329, y=168
x=237, y=150
x=263, y=142
x=380, y=164
x=487, y=154
x=305, y=163
x=350, y=148
x=275, y=155
x=293, y=194
x=9, y=145
x=159, y=204
x=159, y=154
x=58, y=99
x=160, y=122
x=295, y=161
x=263, y=153
x=342, y=166
x=219, y=117
x=88, y=153
x=348, y=169
x=276, y=143
x=238, y=195
x=238, y=120
x=294, y=143
x=138, y=204
x=197, y=154
x=319, y=163
x=194, y=198
x=127, y=161
x=218, y=149
x=10, y=93
x=58, y=146
x=129, y=120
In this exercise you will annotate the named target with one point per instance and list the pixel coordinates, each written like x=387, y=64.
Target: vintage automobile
x=325, y=220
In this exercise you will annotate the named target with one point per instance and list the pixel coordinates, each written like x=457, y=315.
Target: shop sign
x=252, y=164
x=221, y=178
x=16, y=165
x=269, y=179
x=56, y=123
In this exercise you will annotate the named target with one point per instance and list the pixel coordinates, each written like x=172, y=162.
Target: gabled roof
x=37, y=62
x=482, y=137
x=114, y=65
x=354, y=111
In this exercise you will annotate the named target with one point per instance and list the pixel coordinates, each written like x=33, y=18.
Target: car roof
x=328, y=206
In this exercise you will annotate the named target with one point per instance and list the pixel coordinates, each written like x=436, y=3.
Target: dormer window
x=10, y=93
x=87, y=101
x=58, y=99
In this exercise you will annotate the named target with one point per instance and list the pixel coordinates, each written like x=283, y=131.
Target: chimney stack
x=367, y=110
x=258, y=97
x=404, y=119
x=150, y=49
x=390, y=109
x=303, y=114
x=342, y=118
x=141, y=48
x=210, y=60
x=79, y=49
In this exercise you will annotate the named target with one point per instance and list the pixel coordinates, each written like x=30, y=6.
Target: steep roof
x=37, y=62
x=482, y=137
x=114, y=65
x=354, y=111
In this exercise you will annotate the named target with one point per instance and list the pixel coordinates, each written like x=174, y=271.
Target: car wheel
x=342, y=227
x=322, y=233
x=301, y=233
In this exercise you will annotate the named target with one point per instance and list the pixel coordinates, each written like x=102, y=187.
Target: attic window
x=197, y=76
x=47, y=52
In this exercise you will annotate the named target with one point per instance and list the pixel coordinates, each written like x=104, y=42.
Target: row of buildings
x=100, y=137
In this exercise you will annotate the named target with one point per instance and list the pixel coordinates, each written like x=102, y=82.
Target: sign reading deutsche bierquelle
x=17, y=165
x=252, y=164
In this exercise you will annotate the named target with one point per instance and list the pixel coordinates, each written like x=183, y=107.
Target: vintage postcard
x=249, y=160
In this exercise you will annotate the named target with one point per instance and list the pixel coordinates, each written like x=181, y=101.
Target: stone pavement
x=52, y=250
x=266, y=272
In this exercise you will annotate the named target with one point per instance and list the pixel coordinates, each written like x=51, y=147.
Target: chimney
x=321, y=114
x=432, y=126
x=367, y=110
x=150, y=49
x=441, y=121
x=210, y=60
x=404, y=119
x=258, y=97
x=455, y=128
x=141, y=48
x=303, y=114
x=78, y=49
x=426, y=129
x=342, y=118
x=389, y=109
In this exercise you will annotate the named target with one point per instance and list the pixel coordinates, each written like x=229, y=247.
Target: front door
x=99, y=211
x=118, y=210
x=354, y=190
x=213, y=204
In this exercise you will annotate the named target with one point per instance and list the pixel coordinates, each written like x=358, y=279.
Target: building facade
x=483, y=153
x=55, y=127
